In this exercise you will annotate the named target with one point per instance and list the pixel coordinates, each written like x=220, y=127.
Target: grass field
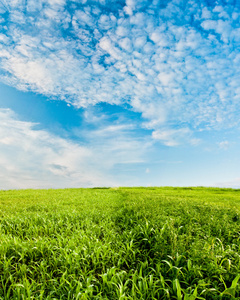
x=126, y=243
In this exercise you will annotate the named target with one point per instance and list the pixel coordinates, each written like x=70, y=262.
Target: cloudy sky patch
x=144, y=81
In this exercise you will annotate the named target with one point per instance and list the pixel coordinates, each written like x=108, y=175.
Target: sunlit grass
x=126, y=243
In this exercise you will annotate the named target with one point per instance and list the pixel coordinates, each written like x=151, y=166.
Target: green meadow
x=124, y=243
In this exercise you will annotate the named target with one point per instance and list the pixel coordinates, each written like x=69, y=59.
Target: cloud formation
x=33, y=158
x=175, y=62
x=234, y=184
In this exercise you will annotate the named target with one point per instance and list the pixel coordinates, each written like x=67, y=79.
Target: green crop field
x=125, y=243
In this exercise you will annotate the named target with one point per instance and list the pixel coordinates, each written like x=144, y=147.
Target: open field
x=126, y=243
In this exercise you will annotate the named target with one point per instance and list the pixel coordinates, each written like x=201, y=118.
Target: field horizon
x=124, y=187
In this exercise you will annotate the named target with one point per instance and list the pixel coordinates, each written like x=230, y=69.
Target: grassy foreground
x=126, y=243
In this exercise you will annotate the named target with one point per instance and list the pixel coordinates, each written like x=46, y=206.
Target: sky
x=119, y=93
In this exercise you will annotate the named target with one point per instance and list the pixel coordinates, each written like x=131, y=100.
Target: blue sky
x=119, y=93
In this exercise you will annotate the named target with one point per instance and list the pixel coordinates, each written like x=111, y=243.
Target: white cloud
x=172, y=137
x=3, y=38
x=209, y=24
x=33, y=5
x=153, y=58
x=33, y=158
x=224, y=145
x=166, y=78
x=234, y=183
x=126, y=44
x=116, y=143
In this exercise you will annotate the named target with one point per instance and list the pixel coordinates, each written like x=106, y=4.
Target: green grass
x=126, y=243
